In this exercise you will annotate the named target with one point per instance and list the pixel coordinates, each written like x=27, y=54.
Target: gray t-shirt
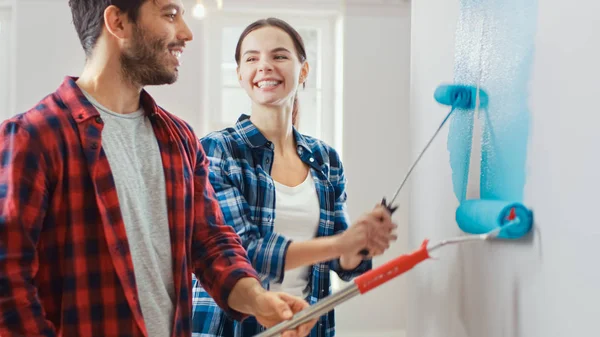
x=136, y=165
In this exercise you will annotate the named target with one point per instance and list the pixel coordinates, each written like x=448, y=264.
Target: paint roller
x=484, y=219
x=482, y=216
x=457, y=96
x=478, y=216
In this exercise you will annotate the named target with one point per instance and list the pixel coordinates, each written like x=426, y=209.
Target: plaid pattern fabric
x=240, y=164
x=65, y=265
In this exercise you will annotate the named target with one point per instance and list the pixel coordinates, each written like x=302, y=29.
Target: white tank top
x=297, y=214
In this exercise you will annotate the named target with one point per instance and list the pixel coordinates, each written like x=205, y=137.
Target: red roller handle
x=378, y=276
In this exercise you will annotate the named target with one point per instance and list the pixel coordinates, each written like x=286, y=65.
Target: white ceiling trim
x=350, y=7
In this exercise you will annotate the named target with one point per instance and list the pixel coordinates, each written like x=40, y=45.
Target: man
x=105, y=205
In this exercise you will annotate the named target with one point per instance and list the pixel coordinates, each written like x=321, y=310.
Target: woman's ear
x=239, y=75
x=304, y=73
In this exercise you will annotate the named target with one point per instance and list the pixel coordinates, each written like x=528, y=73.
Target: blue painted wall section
x=494, y=50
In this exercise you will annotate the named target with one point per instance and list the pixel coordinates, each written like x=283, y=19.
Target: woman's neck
x=276, y=125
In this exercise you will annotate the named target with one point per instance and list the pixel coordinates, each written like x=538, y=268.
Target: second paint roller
x=482, y=216
x=484, y=219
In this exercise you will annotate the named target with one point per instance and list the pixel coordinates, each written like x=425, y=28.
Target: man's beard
x=144, y=62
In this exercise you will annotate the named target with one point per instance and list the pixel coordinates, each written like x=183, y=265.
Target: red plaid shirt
x=65, y=265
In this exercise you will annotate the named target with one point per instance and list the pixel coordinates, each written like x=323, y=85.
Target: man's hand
x=275, y=307
x=269, y=308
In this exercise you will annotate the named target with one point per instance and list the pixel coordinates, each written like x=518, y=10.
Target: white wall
x=376, y=43
x=546, y=286
x=48, y=49
x=6, y=57
x=376, y=80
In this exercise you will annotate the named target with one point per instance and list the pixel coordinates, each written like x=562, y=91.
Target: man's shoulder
x=176, y=120
x=47, y=118
x=182, y=128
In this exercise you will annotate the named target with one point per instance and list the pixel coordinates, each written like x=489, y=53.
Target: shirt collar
x=255, y=139
x=81, y=109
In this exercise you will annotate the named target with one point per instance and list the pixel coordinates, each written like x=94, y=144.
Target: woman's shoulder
x=225, y=143
x=221, y=141
x=218, y=135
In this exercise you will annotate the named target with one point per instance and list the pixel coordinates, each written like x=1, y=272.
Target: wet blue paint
x=501, y=58
x=459, y=147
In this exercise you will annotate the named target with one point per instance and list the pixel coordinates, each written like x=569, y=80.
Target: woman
x=282, y=191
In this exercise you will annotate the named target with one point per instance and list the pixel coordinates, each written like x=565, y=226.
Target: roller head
x=484, y=216
x=460, y=96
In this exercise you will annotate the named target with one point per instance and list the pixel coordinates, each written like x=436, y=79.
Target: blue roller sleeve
x=460, y=96
x=481, y=216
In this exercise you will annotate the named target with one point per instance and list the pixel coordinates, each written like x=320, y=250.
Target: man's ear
x=116, y=22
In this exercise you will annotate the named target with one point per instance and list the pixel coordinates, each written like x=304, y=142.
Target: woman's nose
x=265, y=66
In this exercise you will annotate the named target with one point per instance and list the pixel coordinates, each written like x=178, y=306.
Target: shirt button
x=94, y=146
x=311, y=159
x=99, y=120
x=268, y=160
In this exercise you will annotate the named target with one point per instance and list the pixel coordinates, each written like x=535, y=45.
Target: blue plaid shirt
x=240, y=165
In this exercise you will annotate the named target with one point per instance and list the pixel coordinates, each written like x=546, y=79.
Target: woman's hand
x=373, y=231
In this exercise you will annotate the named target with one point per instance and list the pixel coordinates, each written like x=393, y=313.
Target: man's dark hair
x=88, y=18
